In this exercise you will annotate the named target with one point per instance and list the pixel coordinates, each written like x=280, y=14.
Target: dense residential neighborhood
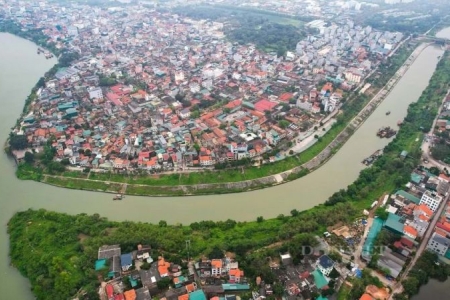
x=154, y=91
x=405, y=222
x=137, y=275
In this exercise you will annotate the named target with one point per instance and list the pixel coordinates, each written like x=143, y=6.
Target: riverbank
x=356, y=111
x=41, y=229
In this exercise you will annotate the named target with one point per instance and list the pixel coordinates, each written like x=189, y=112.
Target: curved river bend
x=21, y=67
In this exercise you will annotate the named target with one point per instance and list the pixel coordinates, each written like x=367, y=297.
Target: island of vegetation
x=64, y=248
x=125, y=120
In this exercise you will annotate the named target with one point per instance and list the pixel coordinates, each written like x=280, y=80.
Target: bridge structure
x=430, y=38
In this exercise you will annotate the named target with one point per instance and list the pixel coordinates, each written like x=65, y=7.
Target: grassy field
x=75, y=174
x=344, y=292
x=78, y=184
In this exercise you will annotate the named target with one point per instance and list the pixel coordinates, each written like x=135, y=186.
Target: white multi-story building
x=431, y=199
x=325, y=264
x=95, y=93
x=216, y=267
x=353, y=75
x=438, y=244
x=331, y=103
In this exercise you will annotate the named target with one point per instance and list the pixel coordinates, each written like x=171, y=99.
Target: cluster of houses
x=206, y=279
x=135, y=276
x=185, y=95
x=409, y=215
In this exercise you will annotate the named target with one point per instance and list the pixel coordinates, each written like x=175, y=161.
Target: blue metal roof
x=326, y=262
x=125, y=259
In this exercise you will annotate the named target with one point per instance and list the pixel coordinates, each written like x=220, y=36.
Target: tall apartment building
x=431, y=199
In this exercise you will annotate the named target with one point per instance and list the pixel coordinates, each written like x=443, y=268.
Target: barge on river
x=118, y=197
x=386, y=132
x=371, y=159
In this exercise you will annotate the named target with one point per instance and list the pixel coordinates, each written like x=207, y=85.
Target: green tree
x=334, y=274
x=411, y=285
x=18, y=141
x=381, y=213
x=179, y=97
x=435, y=171
x=335, y=256
x=65, y=161
x=283, y=124
x=29, y=157
x=216, y=253
x=278, y=289
x=164, y=283
x=281, y=51
x=195, y=114
x=145, y=266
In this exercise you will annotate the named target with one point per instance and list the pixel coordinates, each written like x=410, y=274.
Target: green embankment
x=64, y=248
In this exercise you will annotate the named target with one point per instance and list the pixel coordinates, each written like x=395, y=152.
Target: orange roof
x=236, y=273
x=328, y=86
x=444, y=177
x=285, y=97
x=234, y=103
x=183, y=297
x=163, y=266
x=130, y=295
x=425, y=209
x=440, y=232
x=190, y=288
x=410, y=230
x=366, y=297
x=215, y=263
x=424, y=218
x=40, y=132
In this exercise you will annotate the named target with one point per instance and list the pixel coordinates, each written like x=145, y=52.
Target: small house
x=126, y=261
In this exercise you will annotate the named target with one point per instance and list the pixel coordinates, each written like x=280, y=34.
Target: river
x=21, y=67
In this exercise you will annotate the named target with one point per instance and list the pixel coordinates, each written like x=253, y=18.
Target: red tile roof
x=264, y=105
x=410, y=230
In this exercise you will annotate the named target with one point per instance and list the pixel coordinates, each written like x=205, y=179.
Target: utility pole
x=188, y=247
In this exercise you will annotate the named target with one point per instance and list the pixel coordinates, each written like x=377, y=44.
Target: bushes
x=426, y=267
